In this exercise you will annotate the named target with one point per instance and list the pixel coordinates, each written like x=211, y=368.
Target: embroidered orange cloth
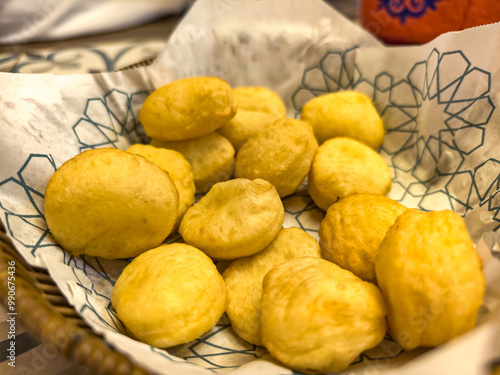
x=419, y=21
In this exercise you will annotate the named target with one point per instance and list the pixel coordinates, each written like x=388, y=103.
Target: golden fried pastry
x=110, y=203
x=211, y=158
x=344, y=114
x=430, y=275
x=343, y=167
x=187, y=108
x=244, y=278
x=245, y=125
x=281, y=154
x=353, y=229
x=260, y=99
x=318, y=317
x=178, y=169
x=169, y=295
x=236, y=218
x=258, y=107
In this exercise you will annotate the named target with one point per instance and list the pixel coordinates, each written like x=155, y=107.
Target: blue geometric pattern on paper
x=433, y=155
x=84, y=59
x=23, y=188
x=387, y=349
x=107, y=118
x=212, y=361
x=302, y=212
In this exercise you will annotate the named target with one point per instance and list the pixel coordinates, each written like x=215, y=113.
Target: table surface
x=96, y=53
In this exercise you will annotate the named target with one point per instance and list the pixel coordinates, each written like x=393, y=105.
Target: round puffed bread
x=187, y=108
x=344, y=114
x=258, y=107
x=211, y=158
x=236, y=218
x=110, y=203
x=178, y=168
x=353, y=229
x=169, y=295
x=245, y=125
x=318, y=317
x=259, y=99
x=431, y=277
x=281, y=154
x=244, y=278
x=343, y=167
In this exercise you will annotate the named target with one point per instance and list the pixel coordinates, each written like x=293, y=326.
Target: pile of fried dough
x=378, y=266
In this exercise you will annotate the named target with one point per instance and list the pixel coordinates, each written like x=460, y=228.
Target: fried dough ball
x=353, y=229
x=187, y=108
x=245, y=125
x=178, y=169
x=344, y=114
x=281, y=154
x=110, y=203
x=430, y=275
x=260, y=99
x=343, y=167
x=169, y=295
x=318, y=317
x=244, y=278
x=211, y=158
x=234, y=219
x=258, y=107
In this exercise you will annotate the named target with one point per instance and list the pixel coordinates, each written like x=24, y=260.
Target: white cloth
x=42, y=20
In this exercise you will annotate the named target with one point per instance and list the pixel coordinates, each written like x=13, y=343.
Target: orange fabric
x=419, y=21
x=481, y=12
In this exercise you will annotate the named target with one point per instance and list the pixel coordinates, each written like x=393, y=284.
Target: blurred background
x=87, y=36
